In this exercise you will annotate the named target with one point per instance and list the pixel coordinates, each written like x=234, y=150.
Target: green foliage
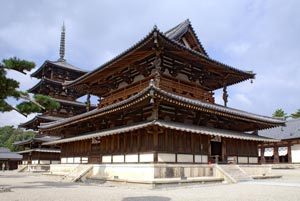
x=28, y=108
x=10, y=88
x=9, y=134
x=18, y=65
x=280, y=113
x=296, y=114
x=46, y=102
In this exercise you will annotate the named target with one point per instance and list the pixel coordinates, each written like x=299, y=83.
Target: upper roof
x=145, y=46
x=177, y=33
x=63, y=64
x=290, y=131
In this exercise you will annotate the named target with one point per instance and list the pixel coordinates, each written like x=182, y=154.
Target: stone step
x=235, y=172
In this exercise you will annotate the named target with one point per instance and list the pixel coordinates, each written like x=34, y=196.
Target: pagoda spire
x=62, y=43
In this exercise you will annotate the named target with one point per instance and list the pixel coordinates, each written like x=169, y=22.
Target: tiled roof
x=178, y=31
x=40, y=150
x=169, y=125
x=6, y=154
x=61, y=64
x=290, y=131
x=145, y=93
x=38, y=139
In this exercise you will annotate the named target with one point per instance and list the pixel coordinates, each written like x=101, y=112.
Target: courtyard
x=33, y=186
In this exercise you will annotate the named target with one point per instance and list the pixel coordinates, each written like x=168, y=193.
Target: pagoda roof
x=168, y=125
x=166, y=39
x=36, y=139
x=177, y=32
x=63, y=64
x=42, y=82
x=40, y=150
x=172, y=98
x=69, y=102
x=34, y=122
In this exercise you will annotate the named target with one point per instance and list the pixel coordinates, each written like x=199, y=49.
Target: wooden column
x=289, y=153
x=224, y=154
x=276, y=154
x=262, y=155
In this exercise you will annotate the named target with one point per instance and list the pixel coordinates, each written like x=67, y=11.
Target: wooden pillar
x=262, y=155
x=289, y=153
x=224, y=154
x=276, y=154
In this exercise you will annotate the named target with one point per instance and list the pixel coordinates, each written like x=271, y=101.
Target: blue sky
x=262, y=36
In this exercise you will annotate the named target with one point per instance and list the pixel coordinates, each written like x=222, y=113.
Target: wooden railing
x=184, y=89
x=125, y=92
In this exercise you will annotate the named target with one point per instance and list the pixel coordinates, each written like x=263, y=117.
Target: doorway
x=216, y=150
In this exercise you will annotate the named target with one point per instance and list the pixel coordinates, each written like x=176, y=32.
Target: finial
x=62, y=43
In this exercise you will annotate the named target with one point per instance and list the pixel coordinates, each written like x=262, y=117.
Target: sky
x=257, y=35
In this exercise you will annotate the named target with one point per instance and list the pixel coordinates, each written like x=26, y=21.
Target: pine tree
x=10, y=88
x=280, y=113
x=296, y=115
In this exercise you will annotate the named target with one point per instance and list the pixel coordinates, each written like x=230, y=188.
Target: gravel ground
x=37, y=187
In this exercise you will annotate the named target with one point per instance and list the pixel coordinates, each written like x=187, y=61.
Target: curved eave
x=110, y=62
x=41, y=82
x=182, y=101
x=167, y=125
x=244, y=74
x=37, y=73
x=218, y=109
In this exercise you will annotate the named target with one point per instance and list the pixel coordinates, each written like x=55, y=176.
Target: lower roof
x=180, y=100
x=168, y=125
x=291, y=130
x=40, y=150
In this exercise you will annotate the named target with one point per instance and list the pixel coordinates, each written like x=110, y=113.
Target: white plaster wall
x=34, y=162
x=144, y=158
x=295, y=153
x=106, y=159
x=198, y=158
x=253, y=160
x=162, y=157
x=55, y=162
x=70, y=160
x=242, y=159
x=118, y=159
x=184, y=158
x=63, y=160
x=76, y=159
x=204, y=159
x=44, y=162
x=131, y=158
x=84, y=159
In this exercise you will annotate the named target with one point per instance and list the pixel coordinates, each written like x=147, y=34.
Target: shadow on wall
x=147, y=198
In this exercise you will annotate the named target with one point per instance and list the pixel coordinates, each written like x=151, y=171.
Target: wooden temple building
x=52, y=75
x=287, y=149
x=157, y=106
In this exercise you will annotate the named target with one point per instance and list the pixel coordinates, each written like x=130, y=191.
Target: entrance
x=216, y=149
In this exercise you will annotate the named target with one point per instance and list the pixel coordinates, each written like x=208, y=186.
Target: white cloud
x=13, y=118
x=262, y=36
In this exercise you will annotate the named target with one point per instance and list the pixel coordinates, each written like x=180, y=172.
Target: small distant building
x=287, y=150
x=9, y=160
x=35, y=154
